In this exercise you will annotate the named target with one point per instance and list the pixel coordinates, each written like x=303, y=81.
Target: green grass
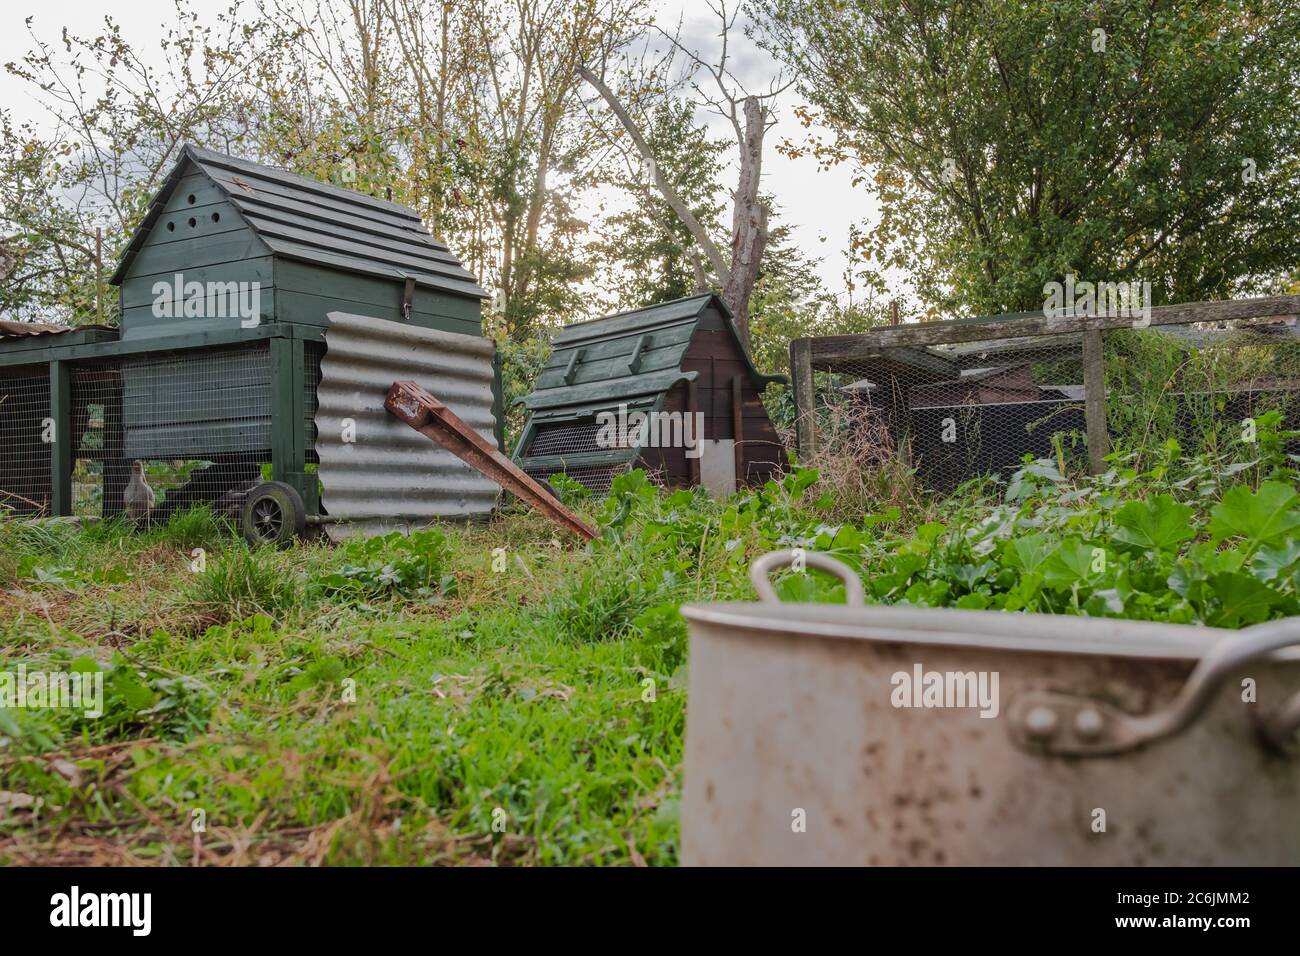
x=501, y=692
x=313, y=726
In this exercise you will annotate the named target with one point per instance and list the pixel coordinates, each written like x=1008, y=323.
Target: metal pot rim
x=982, y=630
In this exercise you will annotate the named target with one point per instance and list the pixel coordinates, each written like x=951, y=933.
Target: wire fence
x=25, y=446
x=150, y=435
x=958, y=400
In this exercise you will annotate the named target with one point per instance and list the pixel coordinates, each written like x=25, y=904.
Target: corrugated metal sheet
x=12, y=329
x=312, y=221
x=391, y=476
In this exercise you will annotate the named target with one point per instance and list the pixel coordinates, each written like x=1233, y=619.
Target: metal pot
x=813, y=736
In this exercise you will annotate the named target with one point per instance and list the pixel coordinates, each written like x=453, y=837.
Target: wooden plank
x=804, y=399
x=826, y=350
x=1094, y=381
x=175, y=227
x=138, y=290
x=317, y=279
x=693, y=406
x=196, y=184
x=410, y=258
x=738, y=426
x=315, y=219
x=139, y=321
x=651, y=319
x=186, y=441
x=175, y=257
x=301, y=308
x=286, y=414
x=61, y=451
x=378, y=265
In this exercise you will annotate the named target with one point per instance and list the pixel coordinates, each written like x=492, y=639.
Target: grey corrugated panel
x=392, y=476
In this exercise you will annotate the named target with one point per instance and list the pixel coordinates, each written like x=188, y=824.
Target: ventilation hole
x=193, y=222
x=190, y=199
x=216, y=217
x=171, y=227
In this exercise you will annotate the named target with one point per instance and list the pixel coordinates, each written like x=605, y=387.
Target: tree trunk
x=748, y=222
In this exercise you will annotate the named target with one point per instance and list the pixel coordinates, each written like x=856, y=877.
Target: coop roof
x=630, y=357
x=311, y=221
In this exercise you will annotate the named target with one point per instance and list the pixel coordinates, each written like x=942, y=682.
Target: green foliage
x=552, y=691
x=1012, y=143
x=242, y=582
x=392, y=564
x=648, y=242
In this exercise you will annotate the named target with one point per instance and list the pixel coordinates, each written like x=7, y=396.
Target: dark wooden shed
x=664, y=362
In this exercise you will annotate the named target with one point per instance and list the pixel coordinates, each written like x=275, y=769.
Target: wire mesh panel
x=100, y=473
x=313, y=352
x=1210, y=387
x=595, y=478
x=955, y=411
x=25, y=439
x=957, y=400
x=198, y=423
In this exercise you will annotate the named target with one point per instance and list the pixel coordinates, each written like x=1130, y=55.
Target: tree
x=649, y=247
x=750, y=117
x=115, y=120
x=1012, y=143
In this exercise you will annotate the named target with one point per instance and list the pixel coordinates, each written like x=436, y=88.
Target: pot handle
x=765, y=564
x=1072, y=725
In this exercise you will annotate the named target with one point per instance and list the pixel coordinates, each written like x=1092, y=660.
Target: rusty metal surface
x=391, y=477
x=792, y=712
x=433, y=419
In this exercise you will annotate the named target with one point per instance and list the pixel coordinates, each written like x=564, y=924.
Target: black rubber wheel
x=273, y=513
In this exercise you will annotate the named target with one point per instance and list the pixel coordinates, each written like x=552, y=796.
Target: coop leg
x=61, y=451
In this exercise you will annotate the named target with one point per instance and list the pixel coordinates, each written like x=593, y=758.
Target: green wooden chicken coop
x=229, y=288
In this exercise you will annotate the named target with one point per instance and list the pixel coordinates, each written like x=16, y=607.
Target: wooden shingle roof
x=315, y=222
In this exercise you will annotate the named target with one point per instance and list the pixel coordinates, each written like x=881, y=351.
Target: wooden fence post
x=805, y=404
x=61, y=450
x=1094, y=383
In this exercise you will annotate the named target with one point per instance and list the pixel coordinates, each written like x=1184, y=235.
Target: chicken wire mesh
x=25, y=487
x=957, y=410
x=198, y=423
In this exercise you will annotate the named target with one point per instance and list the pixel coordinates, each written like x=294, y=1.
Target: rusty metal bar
x=434, y=420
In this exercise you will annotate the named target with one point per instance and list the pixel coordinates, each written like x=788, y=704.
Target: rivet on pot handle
x=767, y=563
x=1070, y=725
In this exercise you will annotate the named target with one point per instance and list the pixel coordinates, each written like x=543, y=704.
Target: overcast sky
x=821, y=206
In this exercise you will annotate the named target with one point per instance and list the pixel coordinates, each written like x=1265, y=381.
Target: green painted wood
x=623, y=345
x=647, y=384
x=61, y=451
x=588, y=369
x=196, y=184
x=140, y=322
x=208, y=222
x=316, y=279
x=397, y=267
x=197, y=403
x=611, y=456
x=109, y=348
x=139, y=290
x=178, y=256
x=647, y=319
x=301, y=308
x=286, y=409
x=185, y=441
x=294, y=215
